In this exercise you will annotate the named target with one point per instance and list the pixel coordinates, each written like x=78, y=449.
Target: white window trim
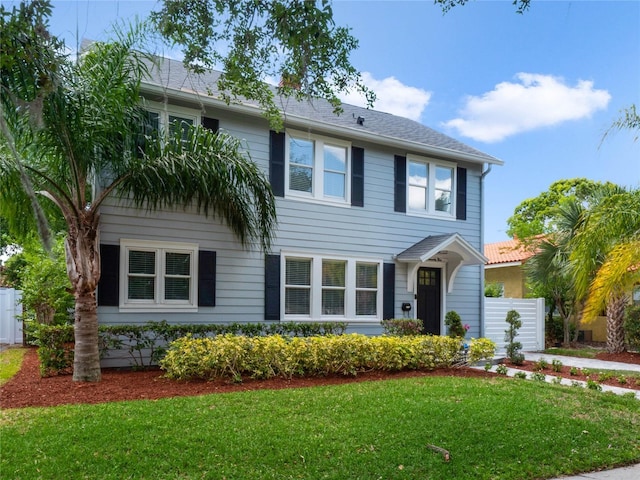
x=158, y=304
x=165, y=110
x=431, y=183
x=316, y=288
x=317, y=194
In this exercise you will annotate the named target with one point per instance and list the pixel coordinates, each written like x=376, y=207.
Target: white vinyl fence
x=531, y=311
x=10, y=310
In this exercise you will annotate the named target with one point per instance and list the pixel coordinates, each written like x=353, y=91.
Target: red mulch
x=27, y=389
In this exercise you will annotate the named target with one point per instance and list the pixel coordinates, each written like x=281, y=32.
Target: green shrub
x=521, y=375
x=237, y=357
x=632, y=326
x=454, y=323
x=402, y=326
x=538, y=376
x=540, y=364
x=556, y=365
x=513, y=347
x=502, y=369
x=55, y=347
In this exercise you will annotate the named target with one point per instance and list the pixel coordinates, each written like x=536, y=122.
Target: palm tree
x=86, y=123
x=611, y=237
x=549, y=269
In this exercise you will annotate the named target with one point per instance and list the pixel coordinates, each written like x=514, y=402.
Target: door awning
x=451, y=250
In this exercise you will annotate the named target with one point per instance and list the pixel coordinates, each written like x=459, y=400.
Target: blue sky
x=536, y=90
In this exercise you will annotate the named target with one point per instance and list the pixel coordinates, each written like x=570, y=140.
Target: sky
x=537, y=90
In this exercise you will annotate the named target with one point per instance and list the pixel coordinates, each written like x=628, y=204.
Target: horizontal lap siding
x=373, y=230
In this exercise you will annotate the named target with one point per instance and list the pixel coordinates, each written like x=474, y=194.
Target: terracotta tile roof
x=509, y=251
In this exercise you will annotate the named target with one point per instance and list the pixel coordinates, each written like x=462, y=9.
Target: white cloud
x=536, y=101
x=392, y=96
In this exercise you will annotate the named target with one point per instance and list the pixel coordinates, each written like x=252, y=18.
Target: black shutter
x=212, y=124
x=357, y=177
x=388, y=290
x=400, y=179
x=461, y=194
x=272, y=287
x=276, y=163
x=206, y=278
x=109, y=285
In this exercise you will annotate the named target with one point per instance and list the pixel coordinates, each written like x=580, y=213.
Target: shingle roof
x=384, y=127
x=509, y=251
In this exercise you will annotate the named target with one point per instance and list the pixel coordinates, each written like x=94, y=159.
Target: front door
x=429, y=298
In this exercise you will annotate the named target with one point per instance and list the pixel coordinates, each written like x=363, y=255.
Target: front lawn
x=10, y=362
x=493, y=429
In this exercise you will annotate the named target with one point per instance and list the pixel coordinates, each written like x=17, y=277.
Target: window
x=331, y=288
x=318, y=168
x=430, y=187
x=158, y=275
x=169, y=118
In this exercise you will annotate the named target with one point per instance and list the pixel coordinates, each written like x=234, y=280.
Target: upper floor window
x=170, y=118
x=430, y=187
x=158, y=275
x=318, y=167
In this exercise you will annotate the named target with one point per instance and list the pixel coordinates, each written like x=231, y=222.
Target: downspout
x=484, y=174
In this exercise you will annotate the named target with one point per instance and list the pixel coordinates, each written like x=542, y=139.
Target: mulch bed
x=28, y=389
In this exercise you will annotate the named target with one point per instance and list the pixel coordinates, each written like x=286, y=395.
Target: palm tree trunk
x=615, y=324
x=86, y=360
x=83, y=266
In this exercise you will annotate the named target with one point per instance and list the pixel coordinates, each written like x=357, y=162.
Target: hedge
x=235, y=357
x=55, y=342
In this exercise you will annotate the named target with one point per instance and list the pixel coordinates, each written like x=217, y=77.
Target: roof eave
x=306, y=123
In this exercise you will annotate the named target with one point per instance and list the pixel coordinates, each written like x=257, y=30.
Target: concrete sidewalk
x=624, y=473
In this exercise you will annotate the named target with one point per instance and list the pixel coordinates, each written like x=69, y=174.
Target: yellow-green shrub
x=231, y=356
x=480, y=349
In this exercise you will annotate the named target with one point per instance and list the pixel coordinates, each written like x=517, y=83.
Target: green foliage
x=536, y=216
x=513, y=347
x=402, y=326
x=502, y=369
x=493, y=289
x=295, y=41
x=540, y=364
x=44, y=283
x=454, y=323
x=538, y=377
x=236, y=357
x=556, y=365
x=520, y=375
x=574, y=371
x=55, y=347
x=521, y=5
x=147, y=344
x=632, y=326
x=593, y=385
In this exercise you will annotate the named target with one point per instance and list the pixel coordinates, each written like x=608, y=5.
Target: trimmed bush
x=402, y=326
x=235, y=357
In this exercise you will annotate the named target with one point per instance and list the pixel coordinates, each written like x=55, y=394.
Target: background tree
x=101, y=94
x=535, y=216
x=606, y=257
x=295, y=42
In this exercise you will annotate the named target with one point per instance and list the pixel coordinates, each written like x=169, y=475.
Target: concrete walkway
x=626, y=473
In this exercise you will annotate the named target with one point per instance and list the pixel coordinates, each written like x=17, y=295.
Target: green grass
x=586, y=352
x=493, y=428
x=10, y=362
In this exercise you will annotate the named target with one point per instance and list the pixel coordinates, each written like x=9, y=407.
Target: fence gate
x=10, y=310
x=531, y=311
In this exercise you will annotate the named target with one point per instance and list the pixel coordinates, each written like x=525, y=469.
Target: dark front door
x=429, y=299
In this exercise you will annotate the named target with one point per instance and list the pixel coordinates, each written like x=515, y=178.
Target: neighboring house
x=504, y=267
x=378, y=217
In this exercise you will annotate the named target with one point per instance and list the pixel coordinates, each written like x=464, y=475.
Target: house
x=378, y=217
x=504, y=267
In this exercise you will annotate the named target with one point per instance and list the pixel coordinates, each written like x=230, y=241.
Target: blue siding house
x=378, y=217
